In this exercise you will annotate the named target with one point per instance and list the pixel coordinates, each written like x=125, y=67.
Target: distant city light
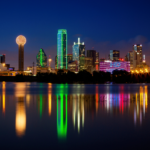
x=107, y=61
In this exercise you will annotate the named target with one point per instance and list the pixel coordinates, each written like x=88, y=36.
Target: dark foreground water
x=64, y=116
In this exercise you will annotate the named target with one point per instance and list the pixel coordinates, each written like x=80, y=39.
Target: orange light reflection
x=49, y=98
x=3, y=92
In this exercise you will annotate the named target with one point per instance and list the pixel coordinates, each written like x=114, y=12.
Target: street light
x=50, y=60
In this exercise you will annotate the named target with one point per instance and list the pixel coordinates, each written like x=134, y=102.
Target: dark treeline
x=118, y=76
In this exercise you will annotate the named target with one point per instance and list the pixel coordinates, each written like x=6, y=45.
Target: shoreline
x=48, y=80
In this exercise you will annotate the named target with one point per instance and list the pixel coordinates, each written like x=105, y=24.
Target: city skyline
x=71, y=52
x=103, y=28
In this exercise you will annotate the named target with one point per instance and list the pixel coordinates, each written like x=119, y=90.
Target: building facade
x=97, y=62
x=92, y=54
x=114, y=55
x=72, y=66
x=62, y=49
x=139, y=58
x=131, y=56
x=136, y=58
x=78, y=49
x=69, y=57
x=41, y=59
x=21, y=58
x=86, y=63
x=110, y=66
x=2, y=59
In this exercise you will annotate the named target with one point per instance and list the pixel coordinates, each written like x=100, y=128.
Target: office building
x=21, y=41
x=2, y=59
x=86, y=63
x=7, y=65
x=110, y=66
x=92, y=54
x=114, y=55
x=69, y=57
x=97, y=62
x=41, y=69
x=62, y=49
x=41, y=59
x=78, y=49
x=73, y=66
x=131, y=57
x=139, y=58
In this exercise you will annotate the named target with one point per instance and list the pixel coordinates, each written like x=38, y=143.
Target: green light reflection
x=62, y=112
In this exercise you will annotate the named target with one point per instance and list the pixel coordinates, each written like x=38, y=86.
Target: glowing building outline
x=41, y=59
x=62, y=49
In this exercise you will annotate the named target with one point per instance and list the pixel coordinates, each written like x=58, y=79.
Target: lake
x=74, y=116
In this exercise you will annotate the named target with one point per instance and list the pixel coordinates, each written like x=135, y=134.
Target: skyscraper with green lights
x=41, y=59
x=62, y=49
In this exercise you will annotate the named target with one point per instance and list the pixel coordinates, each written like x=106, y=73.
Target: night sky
x=102, y=25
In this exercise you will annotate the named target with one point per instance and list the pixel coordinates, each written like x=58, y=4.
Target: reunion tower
x=21, y=41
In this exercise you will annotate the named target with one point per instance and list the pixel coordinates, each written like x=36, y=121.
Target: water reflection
x=49, y=98
x=20, y=118
x=62, y=119
x=78, y=110
x=20, y=123
x=140, y=107
x=28, y=97
x=73, y=102
x=3, y=96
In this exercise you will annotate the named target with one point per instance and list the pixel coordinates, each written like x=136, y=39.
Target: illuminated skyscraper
x=131, y=56
x=41, y=59
x=78, y=49
x=62, y=49
x=139, y=58
x=69, y=58
x=114, y=55
x=21, y=41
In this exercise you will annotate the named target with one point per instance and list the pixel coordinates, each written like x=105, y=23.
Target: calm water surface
x=65, y=116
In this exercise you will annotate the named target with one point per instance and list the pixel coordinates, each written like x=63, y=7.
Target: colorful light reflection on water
x=69, y=108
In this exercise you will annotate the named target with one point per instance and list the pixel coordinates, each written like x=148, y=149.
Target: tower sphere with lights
x=21, y=41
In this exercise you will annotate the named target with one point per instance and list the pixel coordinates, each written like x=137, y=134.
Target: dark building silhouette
x=2, y=59
x=92, y=53
x=69, y=57
x=21, y=58
x=97, y=61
